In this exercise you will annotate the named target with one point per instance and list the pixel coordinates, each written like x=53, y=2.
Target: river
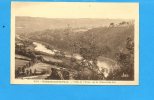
x=42, y=48
x=106, y=63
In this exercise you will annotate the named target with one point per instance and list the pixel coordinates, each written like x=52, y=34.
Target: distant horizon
x=81, y=18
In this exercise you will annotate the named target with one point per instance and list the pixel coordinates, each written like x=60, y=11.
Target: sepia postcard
x=75, y=43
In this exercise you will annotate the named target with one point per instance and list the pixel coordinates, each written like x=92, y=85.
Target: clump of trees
x=112, y=24
x=126, y=62
x=21, y=49
x=123, y=23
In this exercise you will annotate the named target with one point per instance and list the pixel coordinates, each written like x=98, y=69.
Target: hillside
x=110, y=39
x=32, y=24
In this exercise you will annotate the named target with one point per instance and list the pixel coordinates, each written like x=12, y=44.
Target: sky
x=75, y=10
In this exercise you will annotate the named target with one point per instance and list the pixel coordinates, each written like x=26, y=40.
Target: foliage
x=126, y=62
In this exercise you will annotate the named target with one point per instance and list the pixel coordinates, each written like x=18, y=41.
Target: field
x=20, y=63
x=22, y=57
x=50, y=58
x=39, y=67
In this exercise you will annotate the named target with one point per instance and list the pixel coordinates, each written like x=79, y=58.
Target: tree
x=126, y=62
x=89, y=52
x=111, y=24
x=130, y=48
